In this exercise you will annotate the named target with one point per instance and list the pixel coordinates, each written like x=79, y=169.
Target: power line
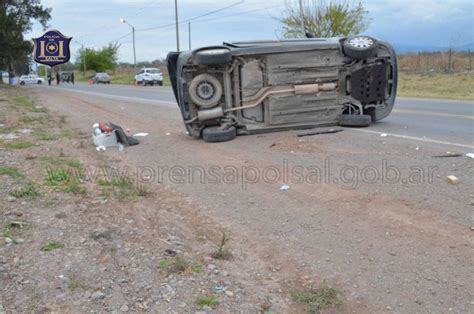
x=240, y=13
x=191, y=19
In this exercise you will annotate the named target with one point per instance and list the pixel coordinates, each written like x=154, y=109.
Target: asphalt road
x=448, y=122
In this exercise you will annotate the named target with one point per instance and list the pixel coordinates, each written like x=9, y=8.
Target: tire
x=378, y=114
x=209, y=84
x=22, y=83
x=215, y=134
x=212, y=56
x=39, y=82
x=355, y=120
x=160, y=83
x=360, y=47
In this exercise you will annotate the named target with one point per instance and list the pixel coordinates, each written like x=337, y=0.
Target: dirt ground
x=88, y=241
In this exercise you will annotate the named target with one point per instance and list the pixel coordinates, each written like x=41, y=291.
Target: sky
x=407, y=24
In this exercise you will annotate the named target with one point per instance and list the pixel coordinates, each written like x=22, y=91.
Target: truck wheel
x=212, y=56
x=215, y=134
x=22, y=83
x=360, y=47
x=355, y=120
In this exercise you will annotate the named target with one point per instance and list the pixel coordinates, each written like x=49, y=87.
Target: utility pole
x=189, y=33
x=302, y=17
x=122, y=20
x=177, y=27
x=134, y=51
x=83, y=61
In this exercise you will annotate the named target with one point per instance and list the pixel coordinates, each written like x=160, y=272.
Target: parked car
x=261, y=86
x=101, y=78
x=30, y=79
x=66, y=76
x=149, y=76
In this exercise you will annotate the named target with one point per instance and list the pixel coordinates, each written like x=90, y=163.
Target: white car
x=31, y=79
x=149, y=76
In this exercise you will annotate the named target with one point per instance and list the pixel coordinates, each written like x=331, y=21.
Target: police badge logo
x=52, y=48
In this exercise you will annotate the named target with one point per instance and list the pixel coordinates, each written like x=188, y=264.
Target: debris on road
x=111, y=135
x=140, y=134
x=448, y=154
x=169, y=252
x=218, y=288
x=284, y=187
x=470, y=155
x=453, y=179
x=327, y=131
x=383, y=135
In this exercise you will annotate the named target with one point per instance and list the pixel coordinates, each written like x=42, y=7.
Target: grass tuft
x=25, y=102
x=62, y=180
x=316, y=300
x=53, y=245
x=28, y=191
x=177, y=265
x=123, y=189
x=207, y=300
x=18, y=145
x=220, y=252
x=9, y=171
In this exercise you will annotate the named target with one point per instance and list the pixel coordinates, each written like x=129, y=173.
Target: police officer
x=57, y=78
x=49, y=78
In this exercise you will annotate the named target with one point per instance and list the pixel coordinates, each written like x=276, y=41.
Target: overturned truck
x=261, y=86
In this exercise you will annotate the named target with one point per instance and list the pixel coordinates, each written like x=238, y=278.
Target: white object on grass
x=100, y=148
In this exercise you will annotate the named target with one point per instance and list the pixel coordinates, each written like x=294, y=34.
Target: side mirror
x=310, y=35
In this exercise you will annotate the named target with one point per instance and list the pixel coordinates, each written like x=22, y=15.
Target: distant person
x=49, y=78
x=72, y=78
x=57, y=78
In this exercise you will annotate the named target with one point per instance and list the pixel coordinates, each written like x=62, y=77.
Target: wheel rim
x=205, y=90
x=361, y=42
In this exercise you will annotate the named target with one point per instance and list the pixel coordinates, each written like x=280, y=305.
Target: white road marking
x=119, y=97
x=428, y=140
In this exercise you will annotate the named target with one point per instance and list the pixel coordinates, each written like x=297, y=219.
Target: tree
x=16, y=18
x=323, y=18
x=99, y=60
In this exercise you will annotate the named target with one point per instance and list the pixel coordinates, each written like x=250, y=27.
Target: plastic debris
x=453, y=179
x=219, y=288
x=383, y=135
x=470, y=155
x=284, y=187
x=168, y=133
x=120, y=147
x=140, y=134
x=100, y=148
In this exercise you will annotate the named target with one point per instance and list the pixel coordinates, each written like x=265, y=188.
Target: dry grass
x=449, y=86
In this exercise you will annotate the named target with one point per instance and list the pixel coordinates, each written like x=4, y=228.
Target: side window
x=141, y=72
